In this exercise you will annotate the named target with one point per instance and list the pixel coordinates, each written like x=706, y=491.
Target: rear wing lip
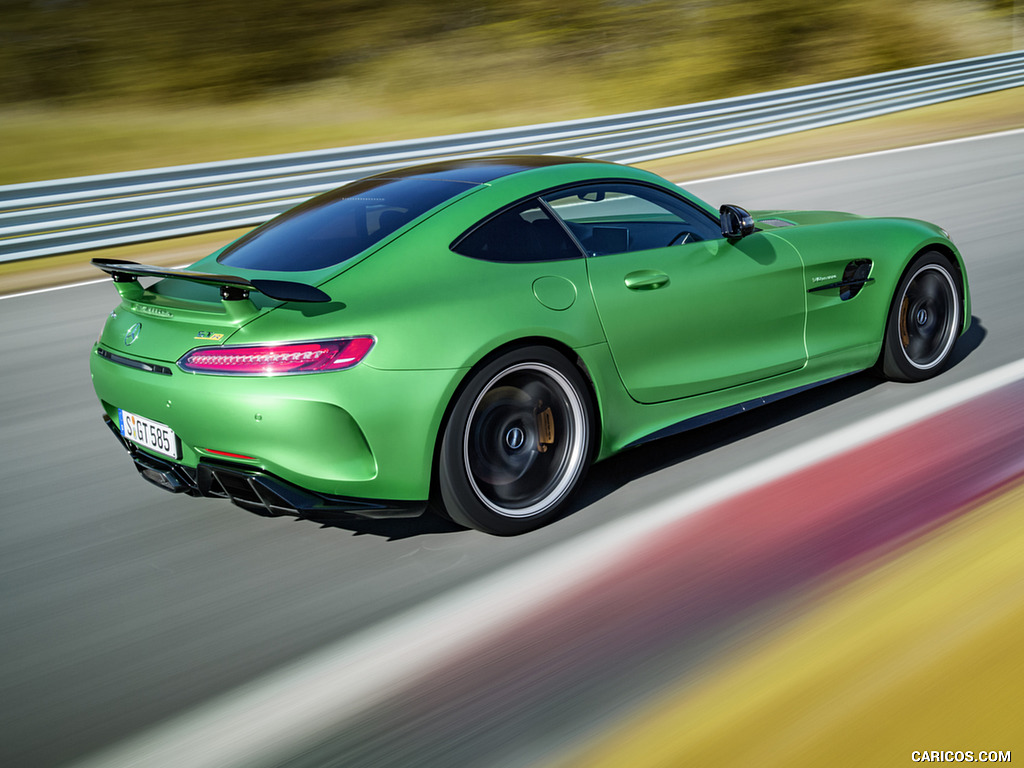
x=232, y=287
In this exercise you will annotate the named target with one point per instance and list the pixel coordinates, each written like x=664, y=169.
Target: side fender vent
x=855, y=277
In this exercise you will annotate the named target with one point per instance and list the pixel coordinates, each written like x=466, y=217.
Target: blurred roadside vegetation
x=88, y=86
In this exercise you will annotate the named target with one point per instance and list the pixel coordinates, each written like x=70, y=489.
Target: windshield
x=338, y=225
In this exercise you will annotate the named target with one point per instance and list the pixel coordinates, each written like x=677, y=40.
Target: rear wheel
x=924, y=321
x=517, y=443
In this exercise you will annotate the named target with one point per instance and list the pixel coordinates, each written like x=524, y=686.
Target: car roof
x=481, y=170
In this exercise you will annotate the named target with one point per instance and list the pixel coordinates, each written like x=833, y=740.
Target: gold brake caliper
x=904, y=333
x=545, y=429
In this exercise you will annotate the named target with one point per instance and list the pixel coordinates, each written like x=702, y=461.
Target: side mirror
x=736, y=222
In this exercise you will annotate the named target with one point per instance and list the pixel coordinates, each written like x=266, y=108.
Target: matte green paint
x=555, y=292
x=664, y=335
x=668, y=340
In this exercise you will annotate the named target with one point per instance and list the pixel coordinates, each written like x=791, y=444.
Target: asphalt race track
x=123, y=607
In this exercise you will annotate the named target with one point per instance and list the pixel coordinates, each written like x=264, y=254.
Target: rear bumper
x=360, y=433
x=256, y=490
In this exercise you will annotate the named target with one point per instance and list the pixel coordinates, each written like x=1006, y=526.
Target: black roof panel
x=480, y=170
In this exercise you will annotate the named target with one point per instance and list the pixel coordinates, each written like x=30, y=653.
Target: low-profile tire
x=517, y=443
x=924, y=320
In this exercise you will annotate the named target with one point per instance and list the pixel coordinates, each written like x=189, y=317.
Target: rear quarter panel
x=434, y=314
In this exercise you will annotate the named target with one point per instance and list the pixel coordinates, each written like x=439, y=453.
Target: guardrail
x=89, y=212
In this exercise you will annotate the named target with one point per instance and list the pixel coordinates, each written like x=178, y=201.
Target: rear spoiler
x=126, y=276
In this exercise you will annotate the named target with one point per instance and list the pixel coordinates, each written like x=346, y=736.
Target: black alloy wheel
x=517, y=443
x=924, y=321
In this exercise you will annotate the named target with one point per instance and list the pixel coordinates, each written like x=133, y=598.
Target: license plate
x=148, y=433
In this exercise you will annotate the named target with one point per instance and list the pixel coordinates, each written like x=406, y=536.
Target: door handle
x=646, y=280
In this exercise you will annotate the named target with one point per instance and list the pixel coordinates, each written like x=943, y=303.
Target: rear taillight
x=278, y=359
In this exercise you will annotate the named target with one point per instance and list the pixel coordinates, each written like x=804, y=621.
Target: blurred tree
x=230, y=49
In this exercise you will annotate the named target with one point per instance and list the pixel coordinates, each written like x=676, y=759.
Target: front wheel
x=517, y=443
x=924, y=320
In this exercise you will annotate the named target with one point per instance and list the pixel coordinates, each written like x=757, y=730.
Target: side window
x=616, y=218
x=523, y=233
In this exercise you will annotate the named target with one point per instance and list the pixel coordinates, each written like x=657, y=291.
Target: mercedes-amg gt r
x=477, y=332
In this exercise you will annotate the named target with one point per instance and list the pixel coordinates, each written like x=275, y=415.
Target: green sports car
x=477, y=332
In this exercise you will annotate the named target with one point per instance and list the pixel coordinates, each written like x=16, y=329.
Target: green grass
x=45, y=142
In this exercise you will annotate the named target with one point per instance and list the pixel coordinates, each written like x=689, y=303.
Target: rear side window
x=523, y=233
x=338, y=225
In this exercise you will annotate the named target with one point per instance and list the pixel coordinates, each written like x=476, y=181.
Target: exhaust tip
x=165, y=480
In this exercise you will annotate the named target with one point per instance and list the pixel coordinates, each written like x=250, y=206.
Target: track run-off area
x=832, y=579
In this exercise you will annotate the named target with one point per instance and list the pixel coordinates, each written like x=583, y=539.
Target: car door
x=685, y=311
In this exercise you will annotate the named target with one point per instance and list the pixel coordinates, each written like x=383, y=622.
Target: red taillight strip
x=278, y=359
x=228, y=455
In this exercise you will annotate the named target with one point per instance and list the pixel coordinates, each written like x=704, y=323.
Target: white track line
x=69, y=285
x=266, y=721
x=52, y=288
x=689, y=181
x=876, y=153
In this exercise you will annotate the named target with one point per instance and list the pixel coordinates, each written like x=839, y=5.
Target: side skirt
x=731, y=410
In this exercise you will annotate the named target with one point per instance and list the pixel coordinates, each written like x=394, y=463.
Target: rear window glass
x=338, y=225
